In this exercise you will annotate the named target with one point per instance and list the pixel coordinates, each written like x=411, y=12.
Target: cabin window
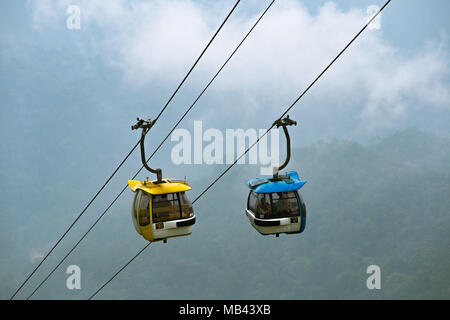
x=302, y=205
x=252, y=198
x=263, y=206
x=284, y=204
x=186, y=206
x=134, y=209
x=144, y=210
x=275, y=205
x=165, y=207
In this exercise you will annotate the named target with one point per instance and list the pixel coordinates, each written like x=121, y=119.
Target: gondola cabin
x=161, y=209
x=275, y=205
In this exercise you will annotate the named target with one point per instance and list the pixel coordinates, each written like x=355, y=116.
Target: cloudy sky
x=68, y=97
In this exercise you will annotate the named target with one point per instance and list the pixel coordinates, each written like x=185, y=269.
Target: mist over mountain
x=377, y=192
x=386, y=203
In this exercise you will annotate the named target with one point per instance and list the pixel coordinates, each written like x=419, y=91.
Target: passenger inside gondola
x=165, y=207
x=264, y=206
x=284, y=204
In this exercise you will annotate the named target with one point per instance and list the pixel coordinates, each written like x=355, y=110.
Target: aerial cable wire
x=154, y=152
x=123, y=161
x=251, y=146
x=294, y=103
x=120, y=270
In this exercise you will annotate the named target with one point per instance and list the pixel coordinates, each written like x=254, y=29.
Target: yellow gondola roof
x=154, y=188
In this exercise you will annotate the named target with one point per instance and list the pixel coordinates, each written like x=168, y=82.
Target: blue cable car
x=275, y=204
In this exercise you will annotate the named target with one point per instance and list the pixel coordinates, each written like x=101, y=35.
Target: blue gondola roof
x=289, y=182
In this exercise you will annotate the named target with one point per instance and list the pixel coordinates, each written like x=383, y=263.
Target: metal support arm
x=146, y=125
x=284, y=123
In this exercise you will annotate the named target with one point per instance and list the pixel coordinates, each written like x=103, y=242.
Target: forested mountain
x=386, y=203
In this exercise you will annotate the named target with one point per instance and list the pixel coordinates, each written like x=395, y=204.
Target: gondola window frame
x=147, y=222
x=156, y=219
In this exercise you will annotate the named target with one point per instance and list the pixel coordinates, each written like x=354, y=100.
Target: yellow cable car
x=161, y=209
x=275, y=204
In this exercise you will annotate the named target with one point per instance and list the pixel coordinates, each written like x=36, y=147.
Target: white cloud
x=43, y=11
x=159, y=40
